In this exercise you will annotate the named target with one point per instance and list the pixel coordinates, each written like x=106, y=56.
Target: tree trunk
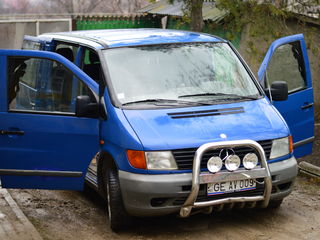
x=196, y=23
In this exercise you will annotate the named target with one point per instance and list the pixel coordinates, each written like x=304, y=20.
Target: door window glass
x=31, y=45
x=287, y=65
x=36, y=84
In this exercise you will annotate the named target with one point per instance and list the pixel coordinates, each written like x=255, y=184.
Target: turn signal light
x=290, y=144
x=137, y=159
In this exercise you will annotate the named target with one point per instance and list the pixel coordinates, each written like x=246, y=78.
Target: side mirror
x=278, y=90
x=86, y=108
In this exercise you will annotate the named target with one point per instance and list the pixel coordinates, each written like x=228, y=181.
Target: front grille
x=184, y=157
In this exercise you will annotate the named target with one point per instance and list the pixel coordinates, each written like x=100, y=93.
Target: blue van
x=157, y=121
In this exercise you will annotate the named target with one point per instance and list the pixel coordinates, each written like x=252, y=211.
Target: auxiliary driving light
x=232, y=162
x=250, y=161
x=214, y=164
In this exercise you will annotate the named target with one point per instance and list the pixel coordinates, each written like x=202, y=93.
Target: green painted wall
x=115, y=22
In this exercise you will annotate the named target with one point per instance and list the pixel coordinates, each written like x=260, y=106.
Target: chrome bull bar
x=198, y=178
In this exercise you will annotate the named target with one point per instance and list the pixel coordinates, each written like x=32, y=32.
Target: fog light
x=214, y=164
x=232, y=162
x=250, y=161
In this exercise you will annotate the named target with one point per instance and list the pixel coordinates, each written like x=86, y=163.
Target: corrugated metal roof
x=209, y=10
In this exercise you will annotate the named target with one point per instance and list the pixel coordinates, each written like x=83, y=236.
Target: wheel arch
x=105, y=160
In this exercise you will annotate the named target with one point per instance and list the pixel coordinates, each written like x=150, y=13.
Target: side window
x=31, y=45
x=42, y=85
x=91, y=65
x=68, y=51
x=287, y=65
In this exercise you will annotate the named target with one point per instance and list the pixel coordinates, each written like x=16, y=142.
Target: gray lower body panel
x=152, y=195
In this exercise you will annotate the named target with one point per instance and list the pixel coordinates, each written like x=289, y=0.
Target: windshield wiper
x=229, y=96
x=235, y=97
x=156, y=101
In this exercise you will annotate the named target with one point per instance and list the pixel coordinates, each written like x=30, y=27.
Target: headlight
x=160, y=161
x=280, y=147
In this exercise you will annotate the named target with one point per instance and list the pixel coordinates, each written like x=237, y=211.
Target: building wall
x=12, y=31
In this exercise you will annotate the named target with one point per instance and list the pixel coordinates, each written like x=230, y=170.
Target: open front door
x=43, y=144
x=287, y=60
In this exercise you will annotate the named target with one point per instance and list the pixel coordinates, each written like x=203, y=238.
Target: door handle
x=5, y=132
x=307, y=106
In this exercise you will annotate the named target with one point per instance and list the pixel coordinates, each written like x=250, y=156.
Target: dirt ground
x=82, y=215
x=78, y=215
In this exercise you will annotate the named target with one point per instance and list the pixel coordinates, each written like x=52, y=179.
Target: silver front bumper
x=138, y=190
x=198, y=178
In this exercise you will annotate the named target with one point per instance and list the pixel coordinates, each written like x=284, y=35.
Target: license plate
x=231, y=186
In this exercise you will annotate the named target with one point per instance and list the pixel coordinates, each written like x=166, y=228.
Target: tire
x=275, y=203
x=118, y=217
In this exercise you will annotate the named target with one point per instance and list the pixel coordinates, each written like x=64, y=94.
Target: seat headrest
x=67, y=53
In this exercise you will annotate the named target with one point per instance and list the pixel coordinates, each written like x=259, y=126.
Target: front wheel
x=118, y=217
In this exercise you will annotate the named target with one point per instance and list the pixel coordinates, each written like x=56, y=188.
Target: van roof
x=109, y=38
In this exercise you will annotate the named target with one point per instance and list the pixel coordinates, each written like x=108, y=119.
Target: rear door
x=42, y=143
x=287, y=60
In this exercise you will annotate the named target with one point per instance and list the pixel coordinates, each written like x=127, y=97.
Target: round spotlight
x=214, y=164
x=232, y=162
x=250, y=161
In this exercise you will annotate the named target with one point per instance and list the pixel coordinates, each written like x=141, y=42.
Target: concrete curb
x=13, y=223
x=309, y=169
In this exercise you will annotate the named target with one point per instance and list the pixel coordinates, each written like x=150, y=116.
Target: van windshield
x=189, y=73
